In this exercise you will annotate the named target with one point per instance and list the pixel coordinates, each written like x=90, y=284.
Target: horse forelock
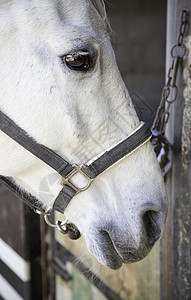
x=100, y=6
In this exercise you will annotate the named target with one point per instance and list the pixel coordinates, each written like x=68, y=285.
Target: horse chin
x=107, y=255
x=113, y=254
x=114, y=260
x=135, y=255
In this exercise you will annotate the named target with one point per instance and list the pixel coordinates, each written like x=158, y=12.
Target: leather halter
x=90, y=170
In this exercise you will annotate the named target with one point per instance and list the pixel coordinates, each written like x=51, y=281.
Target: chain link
x=170, y=90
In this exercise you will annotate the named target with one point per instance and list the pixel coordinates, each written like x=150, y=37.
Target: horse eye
x=78, y=61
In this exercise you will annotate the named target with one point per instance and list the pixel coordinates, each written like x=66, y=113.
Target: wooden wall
x=176, y=244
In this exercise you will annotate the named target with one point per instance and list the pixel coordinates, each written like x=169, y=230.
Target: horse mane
x=101, y=9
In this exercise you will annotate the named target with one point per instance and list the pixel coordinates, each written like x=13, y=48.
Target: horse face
x=60, y=83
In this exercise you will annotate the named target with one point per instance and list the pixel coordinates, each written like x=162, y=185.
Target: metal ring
x=176, y=46
x=43, y=212
x=63, y=222
x=48, y=221
x=62, y=226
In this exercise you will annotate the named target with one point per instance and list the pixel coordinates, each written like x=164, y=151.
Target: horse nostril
x=150, y=225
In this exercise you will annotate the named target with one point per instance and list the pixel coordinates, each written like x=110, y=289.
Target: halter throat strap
x=90, y=170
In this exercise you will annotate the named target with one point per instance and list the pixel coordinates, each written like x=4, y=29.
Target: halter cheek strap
x=108, y=159
x=90, y=170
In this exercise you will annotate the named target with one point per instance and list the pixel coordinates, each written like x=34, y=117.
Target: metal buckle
x=77, y=169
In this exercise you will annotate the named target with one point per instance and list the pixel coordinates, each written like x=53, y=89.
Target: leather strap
x=45, y=154
x=63, y=198
x=135, y=140
x=109, y=158
x=105, y=161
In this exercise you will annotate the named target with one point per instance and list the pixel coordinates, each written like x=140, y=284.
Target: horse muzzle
x=114, y=245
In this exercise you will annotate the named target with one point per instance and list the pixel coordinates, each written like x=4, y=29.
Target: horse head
x=61, y=84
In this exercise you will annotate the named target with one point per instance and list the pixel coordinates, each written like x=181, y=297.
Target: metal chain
x=169, y=95
x=170, y=90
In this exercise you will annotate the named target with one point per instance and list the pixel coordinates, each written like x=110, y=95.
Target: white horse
x=78, y=108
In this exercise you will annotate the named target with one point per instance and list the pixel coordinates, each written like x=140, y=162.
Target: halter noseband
x=90, y=170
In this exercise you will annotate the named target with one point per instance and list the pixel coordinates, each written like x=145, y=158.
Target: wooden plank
x=11, y=222
x=80, y=286
x=63, y=255
x=20, y=230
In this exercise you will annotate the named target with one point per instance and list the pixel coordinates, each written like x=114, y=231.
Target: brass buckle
x=77, y=169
